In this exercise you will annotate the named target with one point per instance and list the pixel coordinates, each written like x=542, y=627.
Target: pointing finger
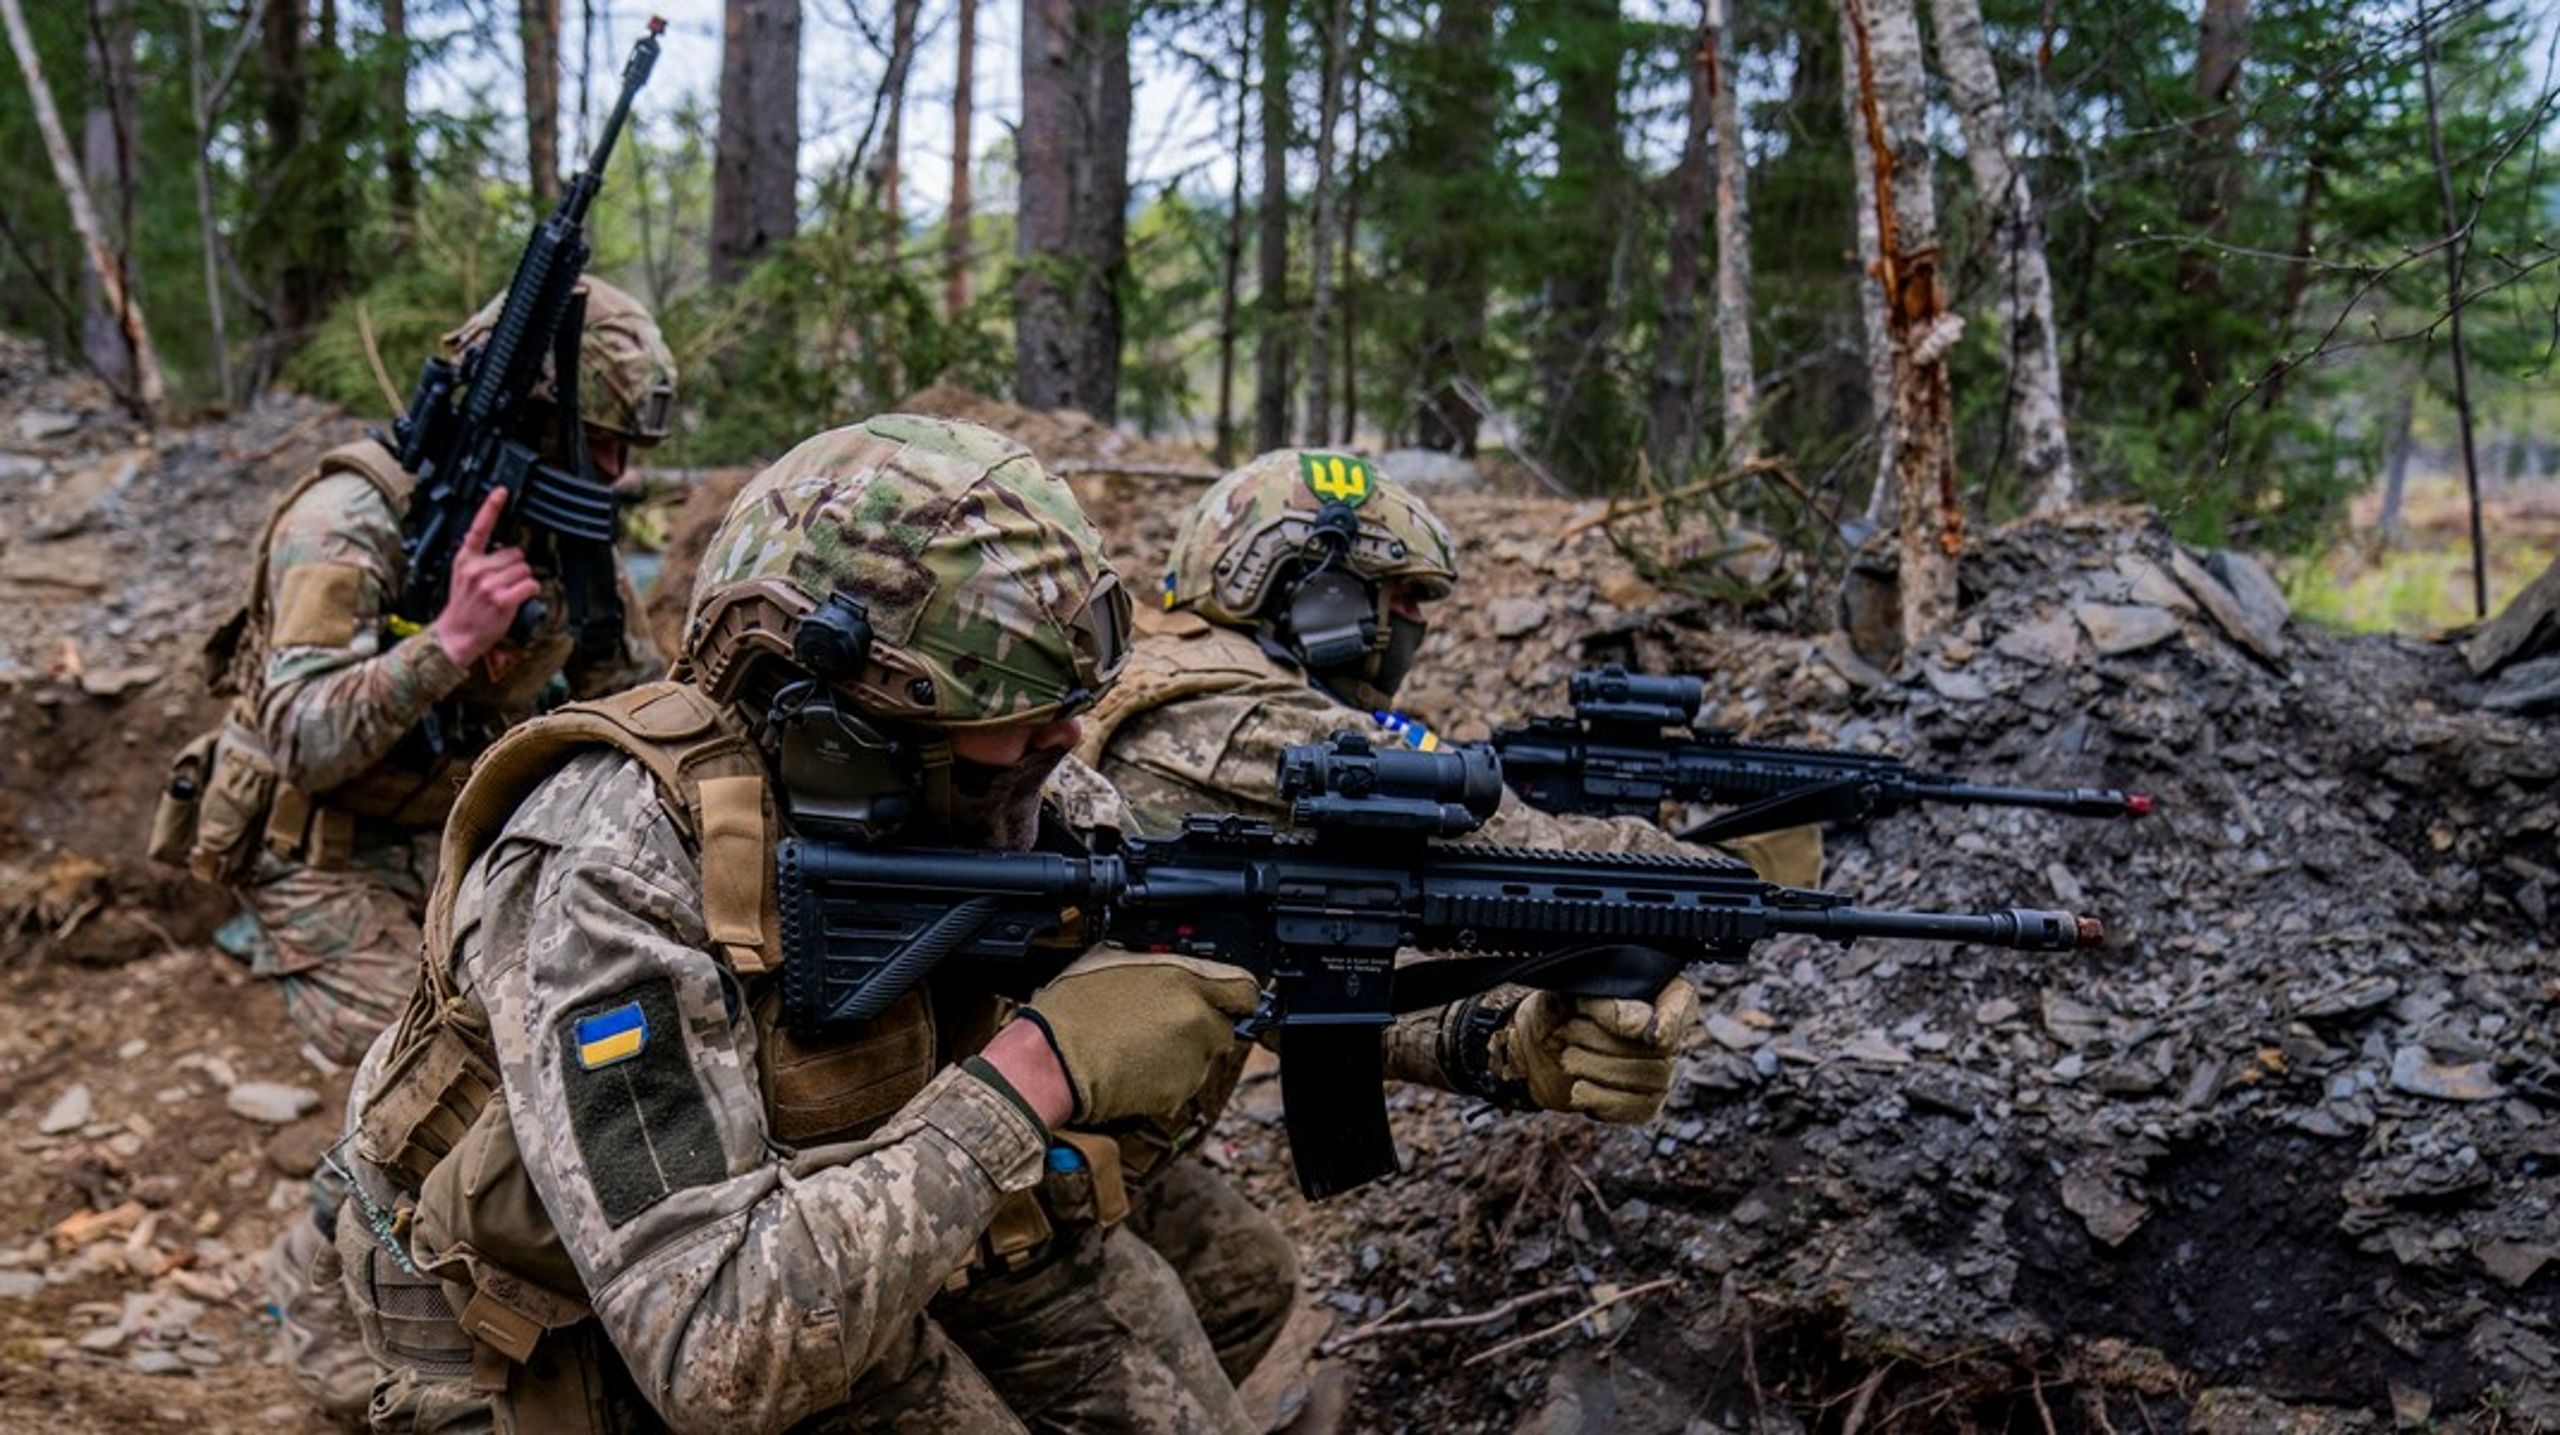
x=483, y=523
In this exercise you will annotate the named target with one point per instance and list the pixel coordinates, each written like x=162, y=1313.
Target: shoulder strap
x=1179, y=655
x=697, y=756
x=242, y=635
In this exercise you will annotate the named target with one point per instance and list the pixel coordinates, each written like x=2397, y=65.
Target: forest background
x=1819, y=269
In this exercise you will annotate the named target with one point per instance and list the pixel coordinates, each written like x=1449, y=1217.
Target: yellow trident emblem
x=1335, y=477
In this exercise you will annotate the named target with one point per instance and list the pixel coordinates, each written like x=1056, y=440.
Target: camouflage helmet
x=626, y=374
x=976, y=585
x=1240, y=540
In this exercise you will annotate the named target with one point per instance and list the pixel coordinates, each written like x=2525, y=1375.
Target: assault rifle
x=1319, y=914
x=464, y=432
x=1634, y=741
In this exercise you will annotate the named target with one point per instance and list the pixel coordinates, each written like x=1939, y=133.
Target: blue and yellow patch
x=616, y=1035
x=1337, y=477
x=1168, y=591
x=1411, y=731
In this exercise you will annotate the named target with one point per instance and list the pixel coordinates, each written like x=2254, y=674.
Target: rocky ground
x=2282, y=1155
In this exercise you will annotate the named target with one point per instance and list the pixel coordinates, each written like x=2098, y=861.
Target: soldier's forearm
x=327, y=719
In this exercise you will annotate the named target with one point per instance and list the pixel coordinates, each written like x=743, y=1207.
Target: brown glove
x=1137, y=1034
x=1606, y=1057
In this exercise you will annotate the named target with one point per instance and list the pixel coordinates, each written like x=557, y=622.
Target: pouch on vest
x=174, y=818
x=233, y=816
x=482, y=1230
x=443, y=1074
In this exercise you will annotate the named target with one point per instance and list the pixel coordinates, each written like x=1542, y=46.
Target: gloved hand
x=1606, y=1057
x=1136, y=1033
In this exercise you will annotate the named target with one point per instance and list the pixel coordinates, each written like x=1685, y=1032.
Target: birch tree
x=1885, y=36
x=1872, y=327
x=1741, y=390
x=146, y=390
x=2024, y=295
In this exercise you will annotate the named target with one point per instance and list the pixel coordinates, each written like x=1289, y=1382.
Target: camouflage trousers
x=318, y=1341
x=1235, y=1263
x=343, y=941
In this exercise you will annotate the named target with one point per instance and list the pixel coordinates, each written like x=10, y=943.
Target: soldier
x=602, y=1186
x=1294, y=606
x=350, y=732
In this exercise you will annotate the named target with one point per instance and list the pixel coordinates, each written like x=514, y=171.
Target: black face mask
x=1404, y=644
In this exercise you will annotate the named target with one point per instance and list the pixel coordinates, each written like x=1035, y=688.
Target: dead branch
x=1569, y=1322
x=1387, y=1326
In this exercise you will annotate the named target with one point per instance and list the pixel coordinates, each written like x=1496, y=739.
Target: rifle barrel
x=2077, y=801
x=2025, y=929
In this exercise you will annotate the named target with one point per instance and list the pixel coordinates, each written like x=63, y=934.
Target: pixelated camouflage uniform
x=331, y=701
x=1197, y=724
x=772, y=1234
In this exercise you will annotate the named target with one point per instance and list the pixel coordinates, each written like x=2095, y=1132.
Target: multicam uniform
x=1198, y=723
x=591, y=1111
x=327, y=790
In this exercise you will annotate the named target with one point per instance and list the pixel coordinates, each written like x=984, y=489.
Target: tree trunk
x=755, y=173
x=2213, y=167
x=1271, y=385
x=538, y=22
x=399, y=157
x=1316, y=430
x=2025, y=296
x=1074, y=145
x=200, y=104
x=1894, y=98
x=1346, y=286
x=1671, y=424
x=1582, y=432
x=902, y=59
x=1453, y=147
x=145, y=392
x=1231, y=262
x=1872, y=325
x=955, y=224
x=1733, y=241
x=2395, y=461
x=106, y=161
x=2456, y=250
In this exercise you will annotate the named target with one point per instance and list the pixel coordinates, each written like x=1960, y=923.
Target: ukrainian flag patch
x=608, y=1037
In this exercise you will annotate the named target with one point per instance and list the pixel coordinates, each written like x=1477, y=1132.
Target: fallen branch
x=1569, y=1322
x=1613, y=512
x=1388, y=1325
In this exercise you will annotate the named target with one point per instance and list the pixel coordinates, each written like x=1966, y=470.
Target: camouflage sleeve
x=746, y=1288
x=1216, y=753
x=333, y=700
x=634, y=661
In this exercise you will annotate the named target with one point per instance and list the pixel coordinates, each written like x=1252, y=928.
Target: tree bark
x=399, y=156
x=2395, y=460
x=1074, y=146
x=1315, y=431
x=1231, y=262
x=107, y=140
x=1582, y=432
x=1893, y=89
x=1671, y=424
x=956, y=220
x=1872, y=298
x=1355, y=177
x=755, y=173
x=145, y=392
x=2456, y=250
x=1454, y=129
x=1733, y=242
x=200, y=104
x=902, y=58
x=2213, y=167
x=1271, y=387
x=2025, y=298
x=538, y=24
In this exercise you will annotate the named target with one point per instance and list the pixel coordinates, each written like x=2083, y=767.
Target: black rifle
x=1634, y=741
x=464, y=432
x=1319, y=914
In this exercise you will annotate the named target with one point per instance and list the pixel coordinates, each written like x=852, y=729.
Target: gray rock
x=2229, y=612
x=37, y=425
x=272, y=1102
x=1430, y=471
x=2251, y=583
x=19, y=467
x=159, y=1362
x=1957, y=686
x=105, y=1338
x=2415, y=1072
x=2115, y=629
x=2052, y=640
x=70, y=1111
x=2527, y=689
x=1516, y=617
x=20, y=1285
x=2152, y=585
x=1733, y=1035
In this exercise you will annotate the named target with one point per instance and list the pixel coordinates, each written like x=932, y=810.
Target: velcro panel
x=636, y=1108
x=316, y=606
x=737, y=870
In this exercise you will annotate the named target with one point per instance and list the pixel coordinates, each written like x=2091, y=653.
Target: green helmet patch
x=1237, y=541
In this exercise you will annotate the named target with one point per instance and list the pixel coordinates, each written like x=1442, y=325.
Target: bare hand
x=486, y=589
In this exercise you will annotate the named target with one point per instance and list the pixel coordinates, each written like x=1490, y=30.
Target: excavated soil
x=2282, y=1155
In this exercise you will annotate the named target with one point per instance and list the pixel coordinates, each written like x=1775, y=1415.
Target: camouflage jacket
x=335, y=693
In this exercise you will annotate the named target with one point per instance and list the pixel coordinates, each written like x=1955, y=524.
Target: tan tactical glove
x=1137, y=1034
x=1608, y=1058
